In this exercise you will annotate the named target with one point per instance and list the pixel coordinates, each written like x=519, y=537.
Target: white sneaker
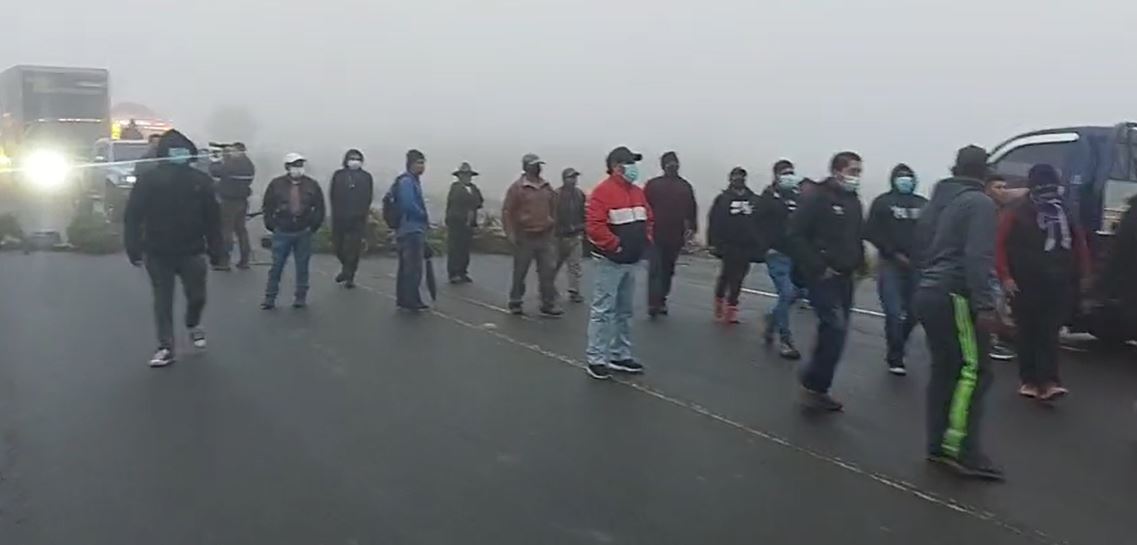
x=162, y=358
x=197, y=337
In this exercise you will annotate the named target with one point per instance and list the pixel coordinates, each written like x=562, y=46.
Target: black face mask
x=533, y=170
x=671, y=169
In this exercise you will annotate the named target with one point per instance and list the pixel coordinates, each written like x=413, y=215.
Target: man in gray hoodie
x=956, y=233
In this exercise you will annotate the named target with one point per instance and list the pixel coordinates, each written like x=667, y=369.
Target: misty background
x=723, y=82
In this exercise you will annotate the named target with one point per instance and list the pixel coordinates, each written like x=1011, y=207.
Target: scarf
x=1051, y=216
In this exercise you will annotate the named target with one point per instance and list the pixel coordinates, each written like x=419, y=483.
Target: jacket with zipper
x=278, y=217
x=351, y=193
x=732, y=225
x=234, y=178
x=826, y=232
x=619, y=221
x=956, y=243
x=462, y=205
x=775, y=206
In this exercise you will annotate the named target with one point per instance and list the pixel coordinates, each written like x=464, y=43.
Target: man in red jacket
x=618, y=222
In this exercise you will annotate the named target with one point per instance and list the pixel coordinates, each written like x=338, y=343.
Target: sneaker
x=341, y=277
x=300, y=302
x=804, y=305
x=349, y=284
x=268, y=304
x=730, y=317
x=898, y=369
x=222, y=268
x=1002, y=352
x=654, y=312
x=466, y=279
x=788, y=351
x=1028, y=390
x=820, y=401
x=162, y=358
x=516, y=309
x=663, y=311
x=576, y=297
x=197, y=337
x=552, y=312
x=626, y=366
x=599, y=372
x=980, y=468
x=1053, y=392
x=455, y=279
x=243, y=266
x=421, y=307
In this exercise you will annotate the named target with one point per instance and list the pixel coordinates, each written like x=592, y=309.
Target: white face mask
x=851, y=183
x=295, y=172
x=354, y=164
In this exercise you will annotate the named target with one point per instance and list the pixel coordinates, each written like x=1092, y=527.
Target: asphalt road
x=349, y=423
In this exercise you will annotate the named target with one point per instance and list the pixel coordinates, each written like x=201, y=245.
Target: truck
x=1098, y=164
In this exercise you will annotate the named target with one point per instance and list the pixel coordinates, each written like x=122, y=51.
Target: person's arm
x=321, y=210
x=650, y=222
x=409, y=200
x=478, y=200
x=268, y=208
x=979, y=251
x=333, y=192
x=507, y=207
x=369, y=192
x=133, y=217
x=877, y=231
x=799, y=234
x=211, y=214
x=1002, y=236
x=454, y=208
x=580, y=219
x=692, y=210
x=596, y=224
x=714, y=224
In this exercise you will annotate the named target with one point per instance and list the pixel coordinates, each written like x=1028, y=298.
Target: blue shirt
x=408, y=192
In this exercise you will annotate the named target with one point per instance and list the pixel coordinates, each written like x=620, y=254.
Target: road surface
x=349, y=423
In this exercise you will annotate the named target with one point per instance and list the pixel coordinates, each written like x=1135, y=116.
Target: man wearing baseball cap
x=618, y=222
x=293, y=209
x=570, y=229
x=529, y=216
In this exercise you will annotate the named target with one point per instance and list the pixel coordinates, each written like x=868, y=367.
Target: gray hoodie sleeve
x=979, y=253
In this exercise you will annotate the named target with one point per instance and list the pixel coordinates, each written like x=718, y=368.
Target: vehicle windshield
x=129, y=151
x=65, y=96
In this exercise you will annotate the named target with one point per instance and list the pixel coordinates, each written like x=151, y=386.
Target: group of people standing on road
x=944, y=263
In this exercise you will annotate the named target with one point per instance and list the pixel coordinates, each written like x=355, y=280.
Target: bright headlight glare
x=130, y=178
x=46, y=169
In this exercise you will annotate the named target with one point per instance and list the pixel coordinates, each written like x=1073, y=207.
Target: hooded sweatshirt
x=351, y=192
x=172, y=210
x=732, y=226
x=891, y=225
x=773, y=215
x=956, y=235
x=826, y=231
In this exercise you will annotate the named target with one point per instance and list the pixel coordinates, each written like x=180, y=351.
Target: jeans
x=347, y=240
x=896, y=285
x=539, y=247
x=832, y=300
x=609, y=320
x=661, y=271
x=164, y=272
x=459, y=240
x=780, y=268
x=412, y=258
x=299, y=246
x=732, y=273
x=569, y=253
x=1040, y=309
x=233, y=217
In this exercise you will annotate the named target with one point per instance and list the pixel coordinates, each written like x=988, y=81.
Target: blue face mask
x=632, y=173
x=789, y=181
x=179, y=156
x=905, y=184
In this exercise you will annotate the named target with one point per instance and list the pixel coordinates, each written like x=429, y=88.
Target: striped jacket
x=618, y=220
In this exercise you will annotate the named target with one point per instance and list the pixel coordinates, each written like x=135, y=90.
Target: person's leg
x=303, y=255
x=961, y=440
x=522, y=259
x=338, y=238
x=1051, y=318
x=817, y=374
x=193, y=271
x=573, y=260
x=655, y=278
x=242, y=230
x=778, y=265
x=453, y=248
x=669, y=258
x=281, y=249
x=1026, y=337
x=545, y=253
x=723, y=279
x=739, y=269
x=621, y=348
x=162, y=273
x=602, y=314
x=466, y=240
x=908, y=295
x=229, y=212
x=888, y=280
x=353, y=247
x=411, y=256
x=937, y=315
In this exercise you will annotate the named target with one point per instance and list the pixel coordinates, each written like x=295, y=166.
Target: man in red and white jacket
x=618, y=222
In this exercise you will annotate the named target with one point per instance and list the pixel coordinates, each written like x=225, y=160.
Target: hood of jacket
x=898, y=171
x=350, y=153
x=174, y=139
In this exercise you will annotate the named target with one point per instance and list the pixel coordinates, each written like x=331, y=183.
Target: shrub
x=91, y=233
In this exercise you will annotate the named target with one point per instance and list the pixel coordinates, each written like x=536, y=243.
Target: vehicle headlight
x=129, y=179
x=47, y=169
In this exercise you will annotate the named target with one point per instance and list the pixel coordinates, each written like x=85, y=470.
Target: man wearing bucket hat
x=529, y=216
x=462, y=205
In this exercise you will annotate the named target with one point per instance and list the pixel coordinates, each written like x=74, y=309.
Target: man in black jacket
x=672, y=200
x=775, y=206
x=570, y=230
x=234, y=176
x=293, y=210
x=891, y=227
x=462, y=205
x=732, y=233
x=351, y=192
x=171, y=220
x=956, y=238
x=824, y=239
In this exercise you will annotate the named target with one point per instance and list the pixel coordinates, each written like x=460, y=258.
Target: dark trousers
x=539, y=247
x=1039, y=311
x=832, y=300
x=347, y=240
x=732, y=272
x=412, y=257
x=459, y=240
x=298, y=245
x=661, y=271
x=233, y=216
x=164, y=272
x=960, y=377
x=896, y=285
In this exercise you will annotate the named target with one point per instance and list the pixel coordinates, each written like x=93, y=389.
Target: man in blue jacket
x=411, y=233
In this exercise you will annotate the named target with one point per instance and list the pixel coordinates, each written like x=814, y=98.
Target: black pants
x=1040, y=310
x=661, y=270
x=961, y=374
x=459, y=239
x=347, y=240
x=164, y=272
x=731, y=275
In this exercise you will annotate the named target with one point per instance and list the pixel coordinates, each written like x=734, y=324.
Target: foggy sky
x=724, y=82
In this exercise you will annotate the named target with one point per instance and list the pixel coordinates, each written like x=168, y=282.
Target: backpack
x=392, y=213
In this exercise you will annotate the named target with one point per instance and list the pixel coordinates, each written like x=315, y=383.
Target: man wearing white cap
x=293, y=210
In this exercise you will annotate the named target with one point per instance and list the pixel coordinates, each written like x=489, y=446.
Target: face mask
x=905, y=184
x=789, y=181
x=632, y=173
x=179, y=156
x=354, y=164
x=851, y=183
x=295, y=172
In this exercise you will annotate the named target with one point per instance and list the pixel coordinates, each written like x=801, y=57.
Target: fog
x=723, y=82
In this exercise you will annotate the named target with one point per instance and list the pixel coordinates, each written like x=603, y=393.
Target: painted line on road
x=772, y=295
x=851, y=467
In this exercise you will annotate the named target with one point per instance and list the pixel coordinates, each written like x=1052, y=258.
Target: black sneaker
x=626, y=366
x=516, y=309
x=788, y=351
x=456, y=280
x=575, y=297
x=349, y=284
x=663, y=311
x=981, y=468
x=1002, y=352
x=820, y=401
x=341, y=277
x=162, y=358
x=599, y=372
x=654, y=312
x=268, y=304
x=898, y=369
x=243, y=266
x=552, y=312
x=222, y=268
x=300, y=303
x=421, y=307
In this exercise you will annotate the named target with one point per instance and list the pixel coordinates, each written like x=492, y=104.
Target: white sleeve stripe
x=623, y=216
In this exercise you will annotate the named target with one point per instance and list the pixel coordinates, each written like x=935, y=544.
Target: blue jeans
x=609, y=320
x=412, y=256
x=781, y=273
x=896, y=285
x=832, y=300
x=299, y=246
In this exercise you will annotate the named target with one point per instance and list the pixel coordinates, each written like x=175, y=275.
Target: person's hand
x=1010, y=287
x=903, y=260
x=829, y=273
x=988, y=321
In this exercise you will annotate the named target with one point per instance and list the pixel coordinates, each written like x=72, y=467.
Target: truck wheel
x=112, y=204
